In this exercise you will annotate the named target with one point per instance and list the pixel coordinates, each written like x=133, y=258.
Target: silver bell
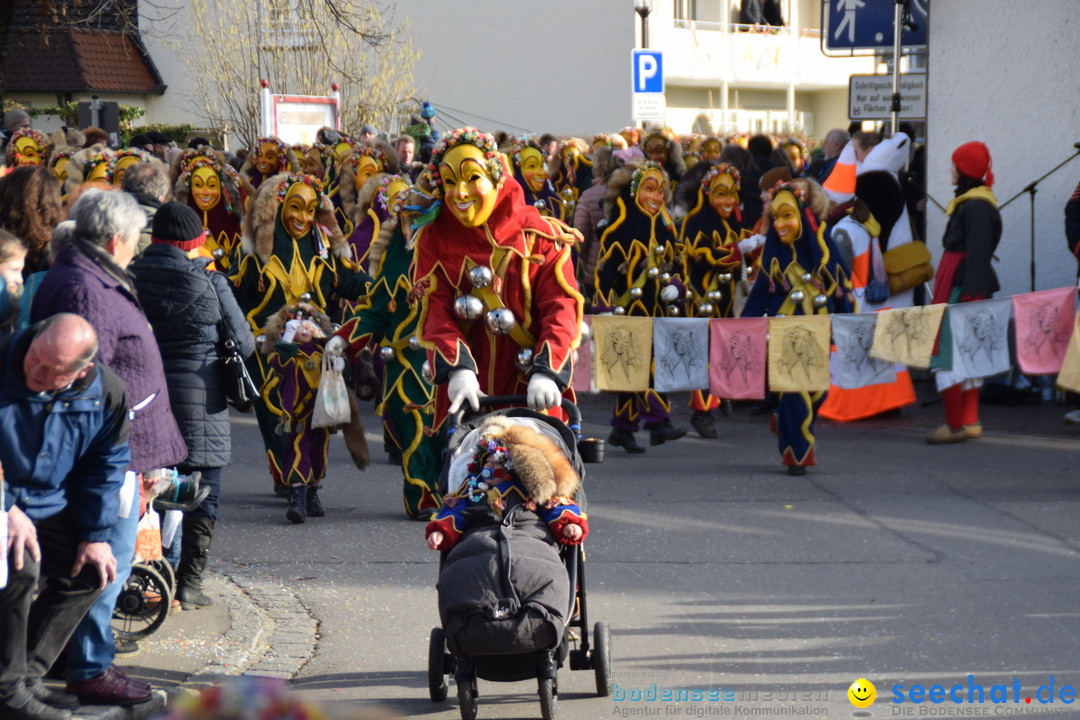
x=480, y=276
x=468, y=307
x=724, y=277
x=540, y=205
x=713, y=295
x=386, y=353
x=586, y=332
x=705, y=309
x=660, y=249
x=619, y=311
x=500, y=321
x=820, y=300
x=665, y=277
x=524, y=359
x=653, y=273
x=414, y=343
x=218, y=253
x=673, y=311
x=306, y=297
x=426, y=372
x=797, y=296
x=635, y=293
x=806, y=277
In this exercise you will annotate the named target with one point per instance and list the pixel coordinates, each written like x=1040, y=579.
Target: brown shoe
x=973, y=432
x=111, y=687
x=944, y=434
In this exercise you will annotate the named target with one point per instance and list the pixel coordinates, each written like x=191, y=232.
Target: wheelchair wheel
x=143, y=604
x=466, y=695
x=165, y=569
x=436, y=668
x=549, y=697
x=601, y=658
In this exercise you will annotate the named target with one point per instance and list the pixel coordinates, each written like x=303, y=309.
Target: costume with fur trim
x=223, y=220
x=547, y=200
x=783, y=269
x=513, y=465
x=387, y=318
x=90, y=163
x=287, y=162
x=533, y=276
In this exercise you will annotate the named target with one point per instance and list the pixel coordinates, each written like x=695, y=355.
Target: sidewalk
x=254, y=627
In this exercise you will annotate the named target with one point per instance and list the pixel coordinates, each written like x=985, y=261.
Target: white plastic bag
x=331, y=399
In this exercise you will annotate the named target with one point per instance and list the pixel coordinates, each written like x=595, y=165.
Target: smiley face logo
x=862, y=693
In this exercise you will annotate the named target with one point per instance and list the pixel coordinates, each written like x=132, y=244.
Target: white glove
x=335, y=346
x=670, y=293
x=463, y=386
x=751, y=244
x=290, y=331
x=543, y=393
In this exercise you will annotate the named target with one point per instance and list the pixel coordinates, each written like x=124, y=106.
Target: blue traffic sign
x=647, y=68
x=849, y=27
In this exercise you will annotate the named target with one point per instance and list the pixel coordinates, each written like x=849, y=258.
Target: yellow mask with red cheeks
x=710, y=150
x=205, y=188
x=723, y=195
x=532, y=169
x=650, y=192
x=28, y=151
x=468, y=188
x=266, y=162
x=366, y=168
x=298, y=209
x=121, y=167
x=786, y=218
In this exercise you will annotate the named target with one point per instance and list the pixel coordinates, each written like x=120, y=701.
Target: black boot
x=663, y=432
x=198, y=532
x=297, y=504
x=625, y=440
x=314, y=506
x=703, y=422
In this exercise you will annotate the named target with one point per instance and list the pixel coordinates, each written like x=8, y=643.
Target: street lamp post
x=643, y=8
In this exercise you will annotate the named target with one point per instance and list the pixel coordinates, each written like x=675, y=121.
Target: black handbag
x=241, y=392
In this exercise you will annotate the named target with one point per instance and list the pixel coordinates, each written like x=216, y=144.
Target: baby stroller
x=520, y=621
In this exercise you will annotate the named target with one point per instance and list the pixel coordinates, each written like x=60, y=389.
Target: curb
x=271, y=634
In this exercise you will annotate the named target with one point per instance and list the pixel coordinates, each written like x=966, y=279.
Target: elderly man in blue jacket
x=64, y=450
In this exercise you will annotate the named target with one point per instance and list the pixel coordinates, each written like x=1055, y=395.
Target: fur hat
x=258, y=236
x=541, y=467
x=275, y=324
x=289, y=164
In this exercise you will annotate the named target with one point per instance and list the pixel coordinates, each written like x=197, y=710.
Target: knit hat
x=973, y=159
x=427, y=111
x=179, y=225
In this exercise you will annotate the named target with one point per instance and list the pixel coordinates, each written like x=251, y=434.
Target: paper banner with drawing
x=907, y=335
x=799, y=353
x=582, y=379
x=1043, y=325
x=623, y=353
x=851, y=365
x=681, y=349
x=737, y=357
x=1069, y=377
x=980, y=337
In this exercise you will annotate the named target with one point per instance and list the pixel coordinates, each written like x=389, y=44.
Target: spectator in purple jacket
x=89, y=278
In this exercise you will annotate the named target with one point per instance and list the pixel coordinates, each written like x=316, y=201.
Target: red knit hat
x=177, y=224
x=973, y=159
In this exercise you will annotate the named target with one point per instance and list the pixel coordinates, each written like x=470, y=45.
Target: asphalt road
x=720, y=575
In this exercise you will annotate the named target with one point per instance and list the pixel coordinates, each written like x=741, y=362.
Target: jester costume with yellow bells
x=210, y=186
x=502, y=312
x=27, y=146
x=292, y=249
x=802, y=273
x=712, y=262
x=356, y=169
x=268, y=157
x=527, y=159
x=386, y=321
x=635, y=276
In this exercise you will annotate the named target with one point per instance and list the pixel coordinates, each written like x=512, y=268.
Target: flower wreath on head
x=480, y=478
x=801, y=197
x=282, y=150
x=399, y=199
x=119, y=155
x=194, y=159
x=603, y=139
x=35, y=135
x=664, y=133
x=94, y=161
x=639, y=174
x=721, y=169
x=61, y=155
x=293, y=178
x=471, y=136
x=519, y=143
x=359, y=150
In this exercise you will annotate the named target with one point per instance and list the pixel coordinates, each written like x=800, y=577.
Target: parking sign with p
x=648, y=71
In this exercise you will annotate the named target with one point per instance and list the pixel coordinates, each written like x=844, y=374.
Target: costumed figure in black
x=357, y=166
x=527, y=159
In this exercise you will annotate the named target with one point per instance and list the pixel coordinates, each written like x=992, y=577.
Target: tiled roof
x=68, y=60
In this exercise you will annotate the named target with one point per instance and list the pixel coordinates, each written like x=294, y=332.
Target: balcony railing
x=712, y=26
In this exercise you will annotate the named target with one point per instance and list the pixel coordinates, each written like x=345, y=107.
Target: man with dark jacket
x=63, y=439
x=89, y=278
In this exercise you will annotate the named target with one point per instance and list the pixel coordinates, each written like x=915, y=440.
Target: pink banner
x=737, y=352
x=1044, y=323
x=581, y=380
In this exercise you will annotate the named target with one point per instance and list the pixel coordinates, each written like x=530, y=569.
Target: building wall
x=1008, y=83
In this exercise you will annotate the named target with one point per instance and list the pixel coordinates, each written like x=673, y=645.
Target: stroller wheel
x=466, y=695
x=436, y=669
x=165, y=569
x=601, y=658
x=549, y=697
x=143, y=604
